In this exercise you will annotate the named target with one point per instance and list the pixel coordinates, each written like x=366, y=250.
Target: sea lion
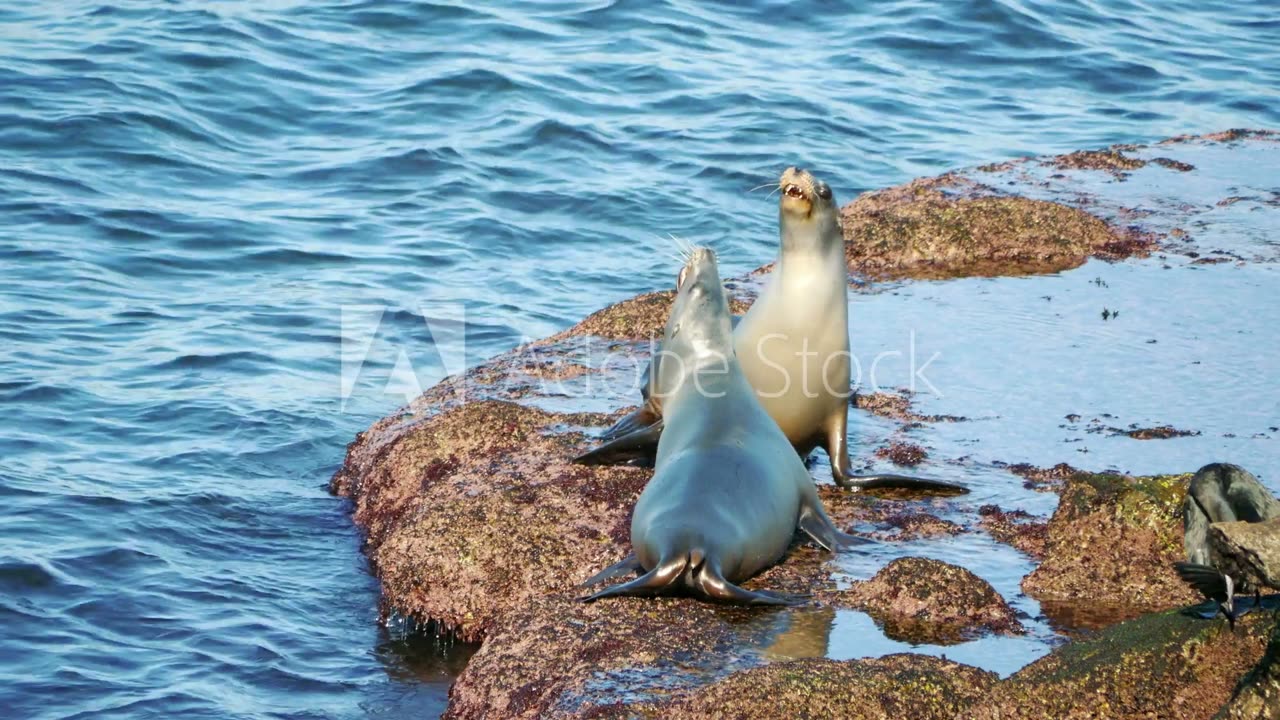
x=793, y=346
x=728, y=490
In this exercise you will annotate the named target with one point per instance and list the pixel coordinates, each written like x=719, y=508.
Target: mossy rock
x=917, y=231
x=1114, y=539
x=1162, y=665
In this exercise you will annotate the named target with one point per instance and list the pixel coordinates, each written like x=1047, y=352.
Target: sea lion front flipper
x=901, y=482
x=631, y=422
x=622, y=568
x=637, y=445
x=815, y=522
x=837, y=446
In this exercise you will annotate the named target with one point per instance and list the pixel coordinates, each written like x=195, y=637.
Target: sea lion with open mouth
x=728, y=490
x=793, y=346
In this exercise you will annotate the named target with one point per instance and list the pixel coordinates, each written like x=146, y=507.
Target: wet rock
x=906, y=525
x=1173, y=164
x=1257, y=697
x=640, y=318
x=1114, y=539
x=1157, y=432
x=1166, y=665
x=1017, y=528
x=918, y=231
x=556, y=657
x=1224, y=136
x=1042, y=479
x=471, y=512
x=900, y=452
x=1110, y=160
x=923, y=600
x=894, y=686
x=1160, y=432
x=896, y=406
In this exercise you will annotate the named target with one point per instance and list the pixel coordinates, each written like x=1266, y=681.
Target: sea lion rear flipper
x=651, y=583
x=714, y=587
x=622, y=568
x=815, y=522
x=638, y=445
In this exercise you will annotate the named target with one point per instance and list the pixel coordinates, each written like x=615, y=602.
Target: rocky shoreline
x=476, y=521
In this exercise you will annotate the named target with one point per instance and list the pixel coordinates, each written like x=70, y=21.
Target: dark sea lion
x=728, y=490
x=793, y=346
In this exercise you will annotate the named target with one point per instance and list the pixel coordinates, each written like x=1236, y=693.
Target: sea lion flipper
x=815, y=522
x=637, y=445
x=651, y=583
x=713, y=585
x=622, y=568
x=633, y=421
x=901, y=482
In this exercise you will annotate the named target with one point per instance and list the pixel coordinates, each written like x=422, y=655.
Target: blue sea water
x=224, y=224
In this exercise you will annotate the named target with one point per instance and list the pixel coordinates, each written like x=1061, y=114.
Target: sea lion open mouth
x=793, y=190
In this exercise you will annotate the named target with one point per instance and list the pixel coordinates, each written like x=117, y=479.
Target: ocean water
x=234, y=234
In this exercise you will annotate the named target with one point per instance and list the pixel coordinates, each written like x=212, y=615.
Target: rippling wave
x=196, y=196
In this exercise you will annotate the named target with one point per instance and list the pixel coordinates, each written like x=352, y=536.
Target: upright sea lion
x=793, y=346
x=728, y=490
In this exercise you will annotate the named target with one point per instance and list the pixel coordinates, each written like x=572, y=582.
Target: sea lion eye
x=684, y=272
x=824, y=191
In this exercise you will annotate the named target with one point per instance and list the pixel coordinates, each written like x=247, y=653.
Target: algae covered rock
x=924, y=600
x=472, y=511
x=1257, y=697
x=919, y=231
x=895, y=686
x=1114, y=539
x=1166, y=665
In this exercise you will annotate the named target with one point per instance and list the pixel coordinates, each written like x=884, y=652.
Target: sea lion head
x=807, y=214
x=699, y=325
